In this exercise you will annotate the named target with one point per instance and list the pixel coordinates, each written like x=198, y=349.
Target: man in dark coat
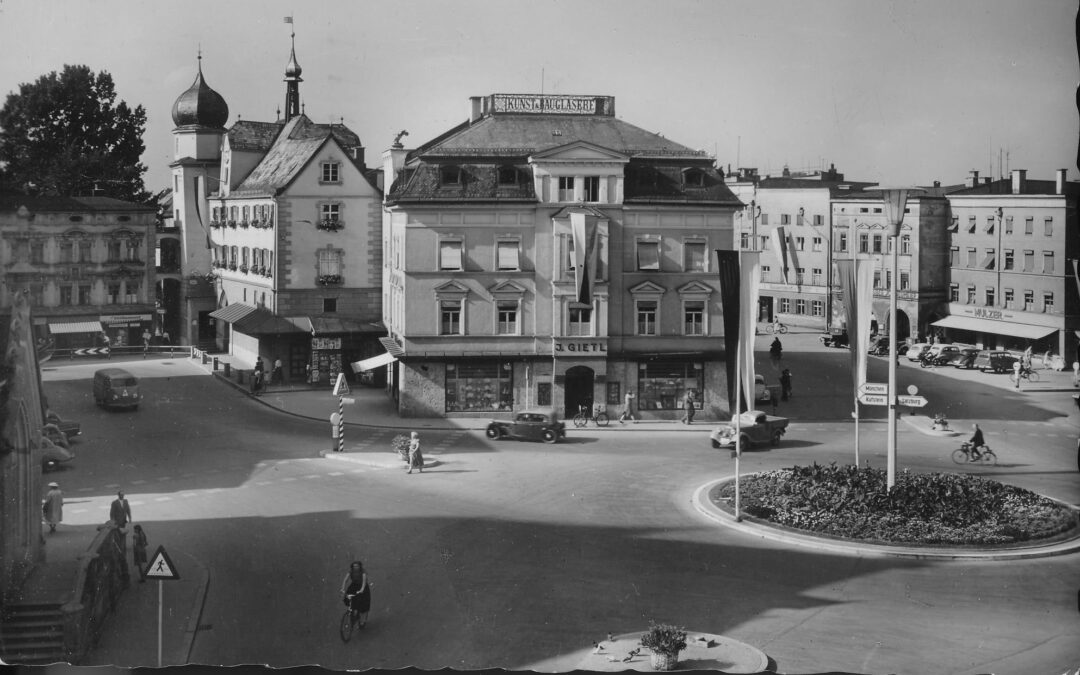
x=120, y=511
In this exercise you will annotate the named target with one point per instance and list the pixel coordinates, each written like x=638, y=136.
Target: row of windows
x=508, y=258
x=234, y=256
x=1008, y=301
x=988, y=260
x=579, y=318
x=262, y=213
x=117, y=249
x=800, y=219
x=991, y=223
x=82, y=294
x=799, y=306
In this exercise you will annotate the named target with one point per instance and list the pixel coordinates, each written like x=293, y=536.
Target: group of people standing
x=258, y=376
x=52, y=509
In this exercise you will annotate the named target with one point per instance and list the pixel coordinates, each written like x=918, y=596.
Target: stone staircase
x=32, y=634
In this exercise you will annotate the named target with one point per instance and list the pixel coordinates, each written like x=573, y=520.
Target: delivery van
x=116, y=388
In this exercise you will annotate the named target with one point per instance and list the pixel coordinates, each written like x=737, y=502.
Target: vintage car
x=966, y=358
x=915, y=351
x=755, y=427
x=835, y=338
x=529, y=425
x=761, y=391
x=69, y=428
x=996, y=360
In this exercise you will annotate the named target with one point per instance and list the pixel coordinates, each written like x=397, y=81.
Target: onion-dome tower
x=200, y=105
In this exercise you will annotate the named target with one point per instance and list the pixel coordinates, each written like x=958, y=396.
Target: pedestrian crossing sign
x=161, y=568
x=341, y=387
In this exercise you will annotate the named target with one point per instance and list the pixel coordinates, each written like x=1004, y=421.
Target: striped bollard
x=341, y=424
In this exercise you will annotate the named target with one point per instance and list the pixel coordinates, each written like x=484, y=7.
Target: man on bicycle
x=976, y=442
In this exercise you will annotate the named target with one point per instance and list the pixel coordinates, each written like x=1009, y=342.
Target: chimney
x=1019, y=177
x=973, y=179
x=357, y=152
x=1059, y=188
x=937, y=183
x=393, y=161
x=476, y=108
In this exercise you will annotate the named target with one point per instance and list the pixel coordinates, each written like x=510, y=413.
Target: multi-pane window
x=819, y=220
x=84, y=295
x=450, y=254
x=450, y=175
x=566, y=188
x=972, y=253
x=1008, y=225
x=1048, y=301
x=450, y=317
x=483, y=386
x=1048, y=262
x=800, y=275
x=67, y=251
x=954, y=256
x=800, y=306
x=591, y=188
x=877, y=243
x=662, y=385
x=1010, y=259
x=888, y=278
x=817, y=308
x=877, y=278
x=816, y=276
x=507, y=318
x=785, y=305
x=113, y=290
x=694, y=317
x=800, y=243
x=245, y=214
x=905, y=281
x=648, y=255
x=1029, y=261
x=131, y=251
x=1029, y=225
x=506, y=254
x=694, y=256
x=330, y=172
x=763, y=240
x=744, y=241
x=1029, y=300
x=905, y=245
x=765, y=269
x=330, y=213
x=66, y=296
x=646, y=317
x=114, y=250
x=329, y=261
x=580, y=320
x=785, y=218
x=1010, y=298
x=841, y=242
x=817, y=243
x=990, y=296
x=971, y=294
x=864, y=242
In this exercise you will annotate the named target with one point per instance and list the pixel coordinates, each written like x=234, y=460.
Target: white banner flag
x=749, y=289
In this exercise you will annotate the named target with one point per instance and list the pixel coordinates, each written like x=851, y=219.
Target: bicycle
x=964, y=455
x=775, y=327
x=599, y=416
x=350, y=620
x=1026, y=374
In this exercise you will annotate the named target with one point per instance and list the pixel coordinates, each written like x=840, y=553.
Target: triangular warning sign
x=161, y=567
x=341, y=387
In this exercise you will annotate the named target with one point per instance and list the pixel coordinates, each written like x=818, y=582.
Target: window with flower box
x=330, y=217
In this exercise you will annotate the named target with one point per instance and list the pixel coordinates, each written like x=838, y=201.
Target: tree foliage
x=66, y=135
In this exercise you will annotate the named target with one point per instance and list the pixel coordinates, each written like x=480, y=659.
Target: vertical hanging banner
x=749, y=288
x=1076, y=273
x=584, y=230
x=728, y=267
x=780, y=243
x=864, y=301
x=845, y=273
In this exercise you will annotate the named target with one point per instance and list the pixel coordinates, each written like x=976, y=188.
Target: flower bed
x=940, y=509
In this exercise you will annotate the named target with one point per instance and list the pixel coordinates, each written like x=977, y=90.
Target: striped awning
x=233, y=312
x=383, y=359
x=75, y=327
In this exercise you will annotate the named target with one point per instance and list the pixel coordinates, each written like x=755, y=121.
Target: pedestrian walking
x=785, y=384
x=689, y=408
x=628, y=407
x=53, y=506
x=107, y=344
x=120, y=511
x=275, y=374
x=776, y=350
x=416, y=458
x=138, y=544
x=307, y=373
x=257, y=382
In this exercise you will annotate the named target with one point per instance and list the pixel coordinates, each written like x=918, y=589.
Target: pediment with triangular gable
x=579, y=151
x=696, y=289
x=507, y=288
x=451, y=288
x=647, y=288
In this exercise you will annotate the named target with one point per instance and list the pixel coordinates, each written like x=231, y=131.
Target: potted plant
x=665, y=642
x=400, y=444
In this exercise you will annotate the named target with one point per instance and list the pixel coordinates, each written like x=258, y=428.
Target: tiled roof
x=478, y=181
x=1031, y=187
x=11, y=202
x=652, y=182
x=249, y=136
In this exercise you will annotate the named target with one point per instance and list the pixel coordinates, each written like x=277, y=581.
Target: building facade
x=285, y=220
x=1013, y=252
x=545, y=253
x=86, y=265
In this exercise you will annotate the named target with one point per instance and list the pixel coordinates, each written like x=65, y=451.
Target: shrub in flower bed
x=940, y=508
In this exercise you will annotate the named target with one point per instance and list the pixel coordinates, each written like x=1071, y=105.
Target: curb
x=755, y=527
x=197, y=609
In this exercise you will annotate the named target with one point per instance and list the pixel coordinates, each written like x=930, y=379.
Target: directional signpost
x=162, y=569
x=874, y=399
x=912, y=401
x=873, y=388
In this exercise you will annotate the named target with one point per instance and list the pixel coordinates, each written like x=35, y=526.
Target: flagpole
x=738, y=429
x=856, y=429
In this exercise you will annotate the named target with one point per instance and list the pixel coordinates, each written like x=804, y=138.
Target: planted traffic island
x=932, y=511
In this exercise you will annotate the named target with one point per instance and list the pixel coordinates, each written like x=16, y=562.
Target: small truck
x=756, y=428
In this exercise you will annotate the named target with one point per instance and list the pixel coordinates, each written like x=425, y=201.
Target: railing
x=102, y=575
x=99, y=352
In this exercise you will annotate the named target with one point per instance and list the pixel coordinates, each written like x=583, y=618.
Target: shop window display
x=662, y=385
x=479, y=387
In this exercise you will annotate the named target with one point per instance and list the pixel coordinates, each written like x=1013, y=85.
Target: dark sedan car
x=529, y=425
x=966, y=358
x=998, y=361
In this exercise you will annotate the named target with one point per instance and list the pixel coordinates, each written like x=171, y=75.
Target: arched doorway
x=903, y=326
x=578, y=390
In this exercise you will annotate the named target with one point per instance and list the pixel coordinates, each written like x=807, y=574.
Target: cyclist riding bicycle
x=976, y=442
x=356, y=592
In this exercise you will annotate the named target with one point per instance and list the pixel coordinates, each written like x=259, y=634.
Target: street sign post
x=912, y=401
x=873, y=399
x=874, y=388
x=162, y=569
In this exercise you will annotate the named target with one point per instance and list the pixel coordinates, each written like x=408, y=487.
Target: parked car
x=965, y=358
x=940, y=355
x=69, y=428
x=915, y=351
x=529, y=425
x=755, y=427
x=995, y=360
x=835, y=338
x=57, y=451
x=879, y=346
x=761, y=392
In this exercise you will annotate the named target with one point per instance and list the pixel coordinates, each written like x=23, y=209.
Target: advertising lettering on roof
x=541, y=104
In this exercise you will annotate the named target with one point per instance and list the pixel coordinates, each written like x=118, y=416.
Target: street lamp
x=895, y=201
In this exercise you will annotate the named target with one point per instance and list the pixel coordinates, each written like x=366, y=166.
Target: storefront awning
x=390, y=345
x=996, y=327
x=231, y=313
x=255, y=320
x=75, y=327
x=374, y=362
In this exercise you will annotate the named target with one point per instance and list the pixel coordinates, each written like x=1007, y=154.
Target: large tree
x=65, y=134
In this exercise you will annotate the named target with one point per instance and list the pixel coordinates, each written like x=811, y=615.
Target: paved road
x=519, y=555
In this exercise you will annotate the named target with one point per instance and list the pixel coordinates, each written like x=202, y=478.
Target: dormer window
x=693, y=177
x=450, y=175
x=508, y=176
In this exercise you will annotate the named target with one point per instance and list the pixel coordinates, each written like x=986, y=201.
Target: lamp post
x=895, y=201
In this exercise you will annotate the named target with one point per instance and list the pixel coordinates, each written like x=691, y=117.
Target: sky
x=895, y=92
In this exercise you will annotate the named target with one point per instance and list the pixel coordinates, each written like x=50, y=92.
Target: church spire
x=292, y=79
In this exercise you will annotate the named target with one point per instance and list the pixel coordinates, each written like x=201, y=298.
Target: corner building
x=546, y=254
